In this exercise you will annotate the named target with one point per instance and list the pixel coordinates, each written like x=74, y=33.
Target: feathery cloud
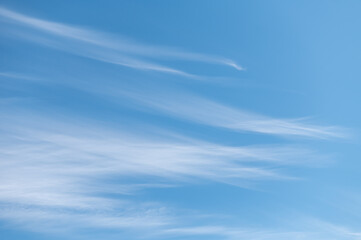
x=69, y=171
x=107, y=48
x=208, y=112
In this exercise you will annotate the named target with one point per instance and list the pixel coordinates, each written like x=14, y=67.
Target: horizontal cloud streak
x=46, y=170
x=68, y=173
x=309, y=229
x=108, y=48
x=204, y=111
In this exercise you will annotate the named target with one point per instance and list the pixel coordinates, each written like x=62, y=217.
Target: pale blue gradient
x=180, y=120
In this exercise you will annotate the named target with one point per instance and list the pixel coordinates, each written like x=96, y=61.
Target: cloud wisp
x=117, y=50
x=72, y=172
x=62, y=174
x=181, y=105
x=308, y=229
x=204, y=111
x=105, y=47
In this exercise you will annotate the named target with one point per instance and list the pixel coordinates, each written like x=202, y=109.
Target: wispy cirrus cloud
x=195, y=108
x=66, y=172
x=117, y=50
x=59, y=175
x=107, y=48
x=308, y=229
x=205, y=111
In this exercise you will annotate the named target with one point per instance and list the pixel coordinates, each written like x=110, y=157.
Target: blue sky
x=180, y=120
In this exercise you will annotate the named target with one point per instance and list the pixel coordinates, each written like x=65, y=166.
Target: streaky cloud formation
x=47, y=170
x=309, y=228
x=208, y=112
x=59, y=176
x=106, y=137
x=108, y=48
x=201, y=110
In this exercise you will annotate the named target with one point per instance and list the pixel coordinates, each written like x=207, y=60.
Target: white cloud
x=63, y=169
x=308, y=229
x=107, y=48
x=208, y=112
x=61, y=176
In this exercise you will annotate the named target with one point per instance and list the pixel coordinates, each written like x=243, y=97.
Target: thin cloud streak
x=260, y=234
x=66, y=169
x=305, y=229
x=110, y=49
x=201, y=110
x=64, y=176
x=208, y=112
